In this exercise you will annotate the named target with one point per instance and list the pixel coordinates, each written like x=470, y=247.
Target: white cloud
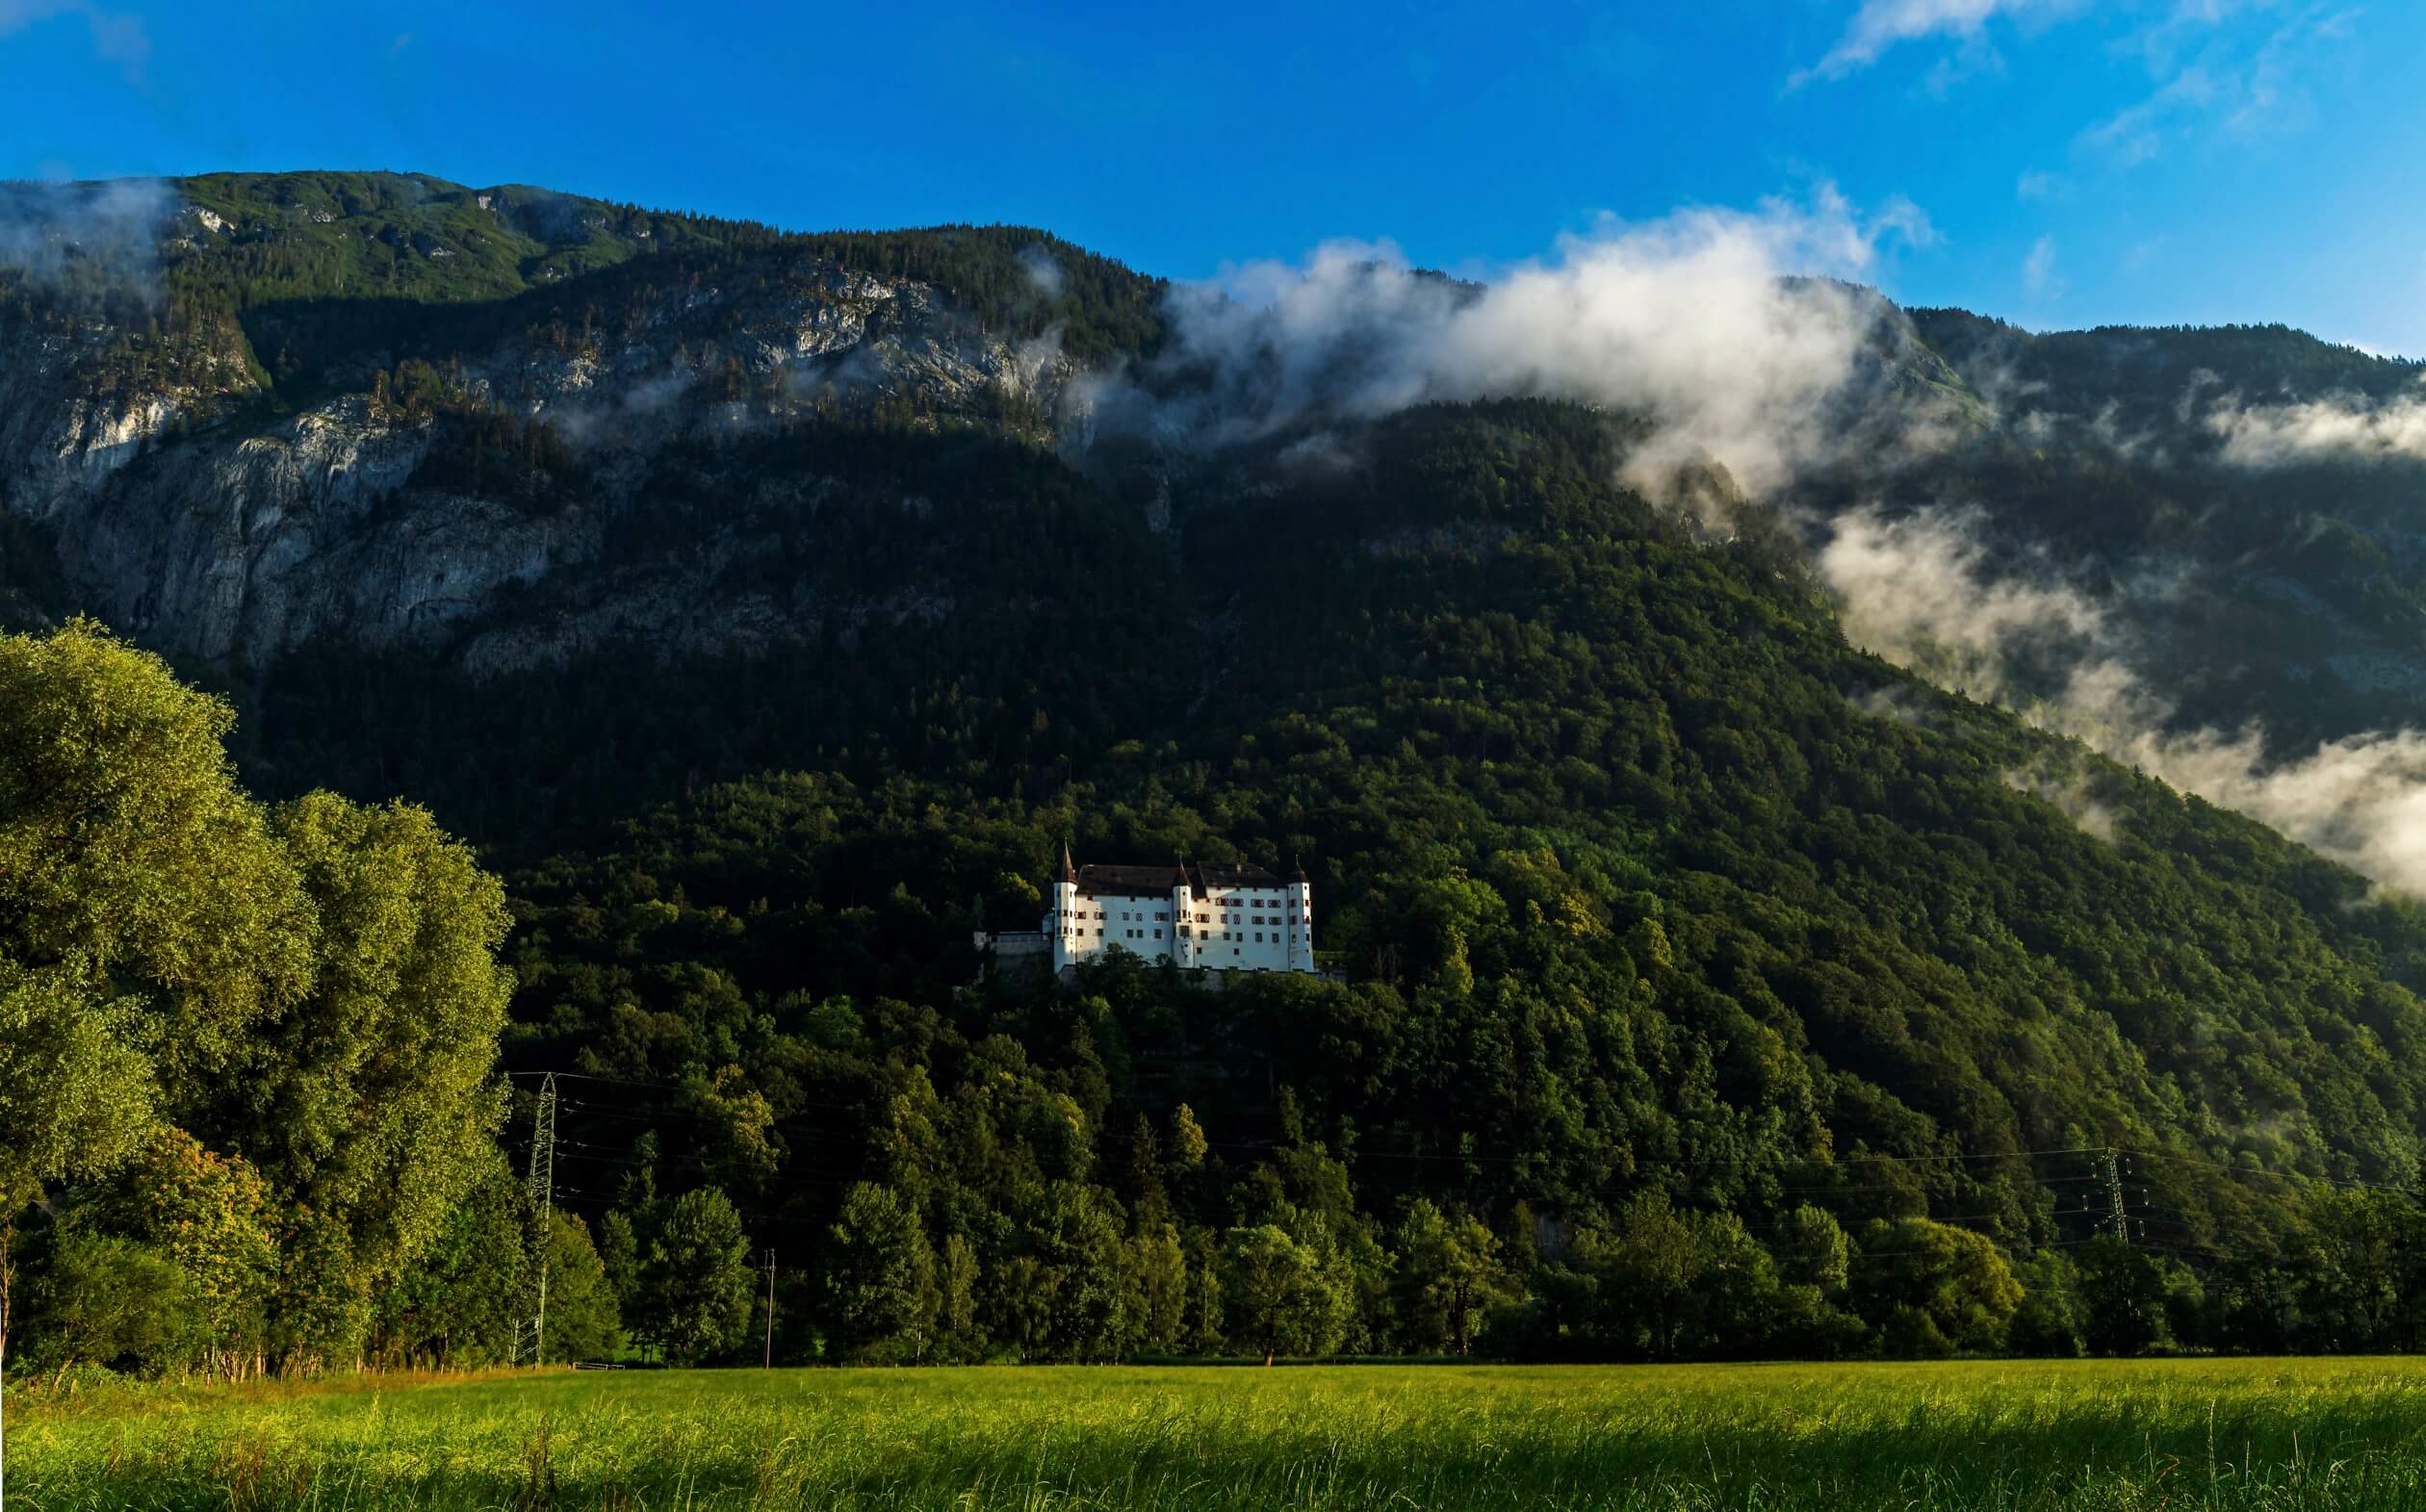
x=2270, y=435
x=2214, y=79
x=2139, y=132
x=2039, y=185
x=1883, y=24
x=1044, y=274
x=1690, y=320
x=2069, y=792
x=1918, y=593
x=117, y=38
x=2038, y=270
x=55, y=231
x=2143, y=255
x=2240, y=67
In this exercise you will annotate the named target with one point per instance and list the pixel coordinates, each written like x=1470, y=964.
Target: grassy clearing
x=2198, y=1434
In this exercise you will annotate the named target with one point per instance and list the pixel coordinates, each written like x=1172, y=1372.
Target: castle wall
x=1253, y=929
x=1263, y=925
x=1143, y=925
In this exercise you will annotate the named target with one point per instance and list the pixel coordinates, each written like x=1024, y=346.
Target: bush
x=112, y=1302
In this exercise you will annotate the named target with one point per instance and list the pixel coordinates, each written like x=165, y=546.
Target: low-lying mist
x=1923, y=592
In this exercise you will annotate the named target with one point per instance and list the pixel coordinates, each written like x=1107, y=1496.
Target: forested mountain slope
x=1649, y=889
x=2239, y=503
x=765, y=606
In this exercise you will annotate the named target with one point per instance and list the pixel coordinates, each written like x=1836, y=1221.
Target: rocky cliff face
x=191, y=515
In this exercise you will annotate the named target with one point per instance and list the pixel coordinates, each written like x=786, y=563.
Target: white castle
x=1215, y=917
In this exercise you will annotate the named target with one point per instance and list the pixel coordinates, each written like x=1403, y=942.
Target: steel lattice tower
x=542, y=1190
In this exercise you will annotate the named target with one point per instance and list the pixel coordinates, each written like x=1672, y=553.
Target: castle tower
x=1193, y=895
x=1062, y=923
x=1183, y=936
x=1301, y=921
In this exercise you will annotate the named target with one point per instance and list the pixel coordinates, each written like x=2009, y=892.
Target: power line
x=2294, y=1177
x=1115, y=1136
x=2107, y=1162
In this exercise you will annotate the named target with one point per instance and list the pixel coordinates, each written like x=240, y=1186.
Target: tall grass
x=2176, y=1435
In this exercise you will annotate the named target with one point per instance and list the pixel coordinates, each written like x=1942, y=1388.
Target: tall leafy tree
x=694, y=1283
x=2122, y=1294
x=1279, y=1299
x=880, y=1281
x=1942, y=1282
x=1448, y=1274
x=147, y=921
x=460, y=1300
x=371, y=1099
x=584, y=1320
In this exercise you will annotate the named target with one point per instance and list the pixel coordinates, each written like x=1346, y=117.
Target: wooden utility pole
x=770, y=1308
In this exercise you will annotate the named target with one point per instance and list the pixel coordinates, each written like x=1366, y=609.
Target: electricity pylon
x=2114, y=1196
x=542, y=1188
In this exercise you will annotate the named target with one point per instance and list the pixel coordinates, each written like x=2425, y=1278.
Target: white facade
x=1216, y=916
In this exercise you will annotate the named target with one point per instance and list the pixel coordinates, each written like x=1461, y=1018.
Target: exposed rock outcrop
x=219, y=532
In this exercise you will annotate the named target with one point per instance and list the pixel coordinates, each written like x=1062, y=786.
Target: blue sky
x=2076, y=162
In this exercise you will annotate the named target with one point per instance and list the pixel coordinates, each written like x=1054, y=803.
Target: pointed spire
x=1068, y=873
x=1301, y=872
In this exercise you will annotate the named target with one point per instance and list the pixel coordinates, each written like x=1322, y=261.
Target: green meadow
x=2173, y=1434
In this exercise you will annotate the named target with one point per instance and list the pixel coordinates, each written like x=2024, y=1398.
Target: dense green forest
x=1710, y=988
x=1705, y=986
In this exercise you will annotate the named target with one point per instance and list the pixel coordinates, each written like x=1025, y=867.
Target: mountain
x=774, y=606
x=2239, y=500
x=347, y=407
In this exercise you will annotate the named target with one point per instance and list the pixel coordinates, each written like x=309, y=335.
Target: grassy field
x=2194, y=1434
